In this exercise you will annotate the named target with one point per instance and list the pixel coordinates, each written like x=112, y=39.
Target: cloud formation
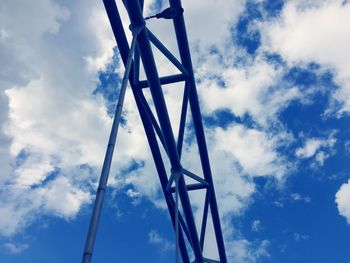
x=342, y=198
x=318, y=148
x=47, y=133
x=314, y=31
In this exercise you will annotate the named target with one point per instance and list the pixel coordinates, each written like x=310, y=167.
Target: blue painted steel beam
x=184, y=50
x=163, y=80
x=191, y=187
x=153, y=119
x=151, y=137
x=166, y=52
x=136, y=78
x=195, y=177
x=180, y=137
x=204, y=218
x=137, y=20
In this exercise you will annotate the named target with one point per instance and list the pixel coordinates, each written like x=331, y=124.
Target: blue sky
x=274, y=87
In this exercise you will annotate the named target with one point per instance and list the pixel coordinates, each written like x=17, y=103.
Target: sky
x=273, y=79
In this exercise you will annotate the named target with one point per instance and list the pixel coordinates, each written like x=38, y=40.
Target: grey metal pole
x=95, y=217
x=177, y=220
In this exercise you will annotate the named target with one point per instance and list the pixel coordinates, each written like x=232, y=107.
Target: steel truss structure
x=189, y=238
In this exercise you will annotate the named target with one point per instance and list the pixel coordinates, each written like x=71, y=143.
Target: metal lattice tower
x=190, y=238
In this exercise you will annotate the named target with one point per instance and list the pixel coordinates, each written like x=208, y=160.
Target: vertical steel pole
x=95, y=217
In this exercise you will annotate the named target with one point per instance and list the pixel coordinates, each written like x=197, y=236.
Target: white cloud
x=300, y=237
x=319, y=148
x=61, y=198
x=254, y=150
x=105, y=41
x=50, y=113
x=347, y=146
x=156, y=239
x=131, y=193
x=299, y=197
x=14, y=217
x=243, y=251
x=49, y=11
x=22, y=204
x=206, y=26
x=33, y=171
x=256, y=226
x=310, y=148
x=314, y=31
x=248, y=90
x=278, y=204
x=342, y=199
x=16, y=248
